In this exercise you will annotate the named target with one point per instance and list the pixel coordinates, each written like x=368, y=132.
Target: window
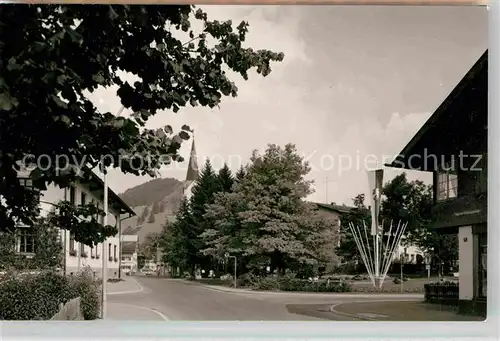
x=83, y=198
x=72, y=242
x=109, y=250
x=26, y=242
x=82, y=248
x=97, y=255
x=26, y=182
x=72, y=195
x=447, y=184
x=114, y=252
x=92, y=252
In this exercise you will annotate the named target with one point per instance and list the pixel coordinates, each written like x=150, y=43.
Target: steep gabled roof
x=192, y=171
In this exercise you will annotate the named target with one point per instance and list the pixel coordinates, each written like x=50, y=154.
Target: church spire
x=192, y=171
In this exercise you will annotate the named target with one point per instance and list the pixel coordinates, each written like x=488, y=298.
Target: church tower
x=192, y=172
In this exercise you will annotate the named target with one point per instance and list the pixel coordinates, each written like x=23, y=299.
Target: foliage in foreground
x=38, y=296
x=54, y=56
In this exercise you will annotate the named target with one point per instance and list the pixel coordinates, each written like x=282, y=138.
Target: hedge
x=442, y=292
x=38, y=296
x=303, y=285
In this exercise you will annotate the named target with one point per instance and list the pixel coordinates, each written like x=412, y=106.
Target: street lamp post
x=104, y=251
x=105, y=223
x=235, y=266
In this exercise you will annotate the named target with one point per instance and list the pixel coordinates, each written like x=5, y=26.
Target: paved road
x=170, y=299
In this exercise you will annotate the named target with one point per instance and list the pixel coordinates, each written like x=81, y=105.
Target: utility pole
x=104, y=250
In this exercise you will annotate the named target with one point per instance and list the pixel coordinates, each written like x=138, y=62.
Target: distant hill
x=154, y=202
x=148, y=193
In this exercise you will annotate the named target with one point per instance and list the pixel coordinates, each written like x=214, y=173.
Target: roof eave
x=116, y=201
x=400, y=161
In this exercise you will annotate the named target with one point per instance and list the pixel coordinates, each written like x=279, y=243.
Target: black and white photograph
x=243, y=163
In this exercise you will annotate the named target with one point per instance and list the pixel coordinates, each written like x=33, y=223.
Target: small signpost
x=235, y=266
x=428, y=268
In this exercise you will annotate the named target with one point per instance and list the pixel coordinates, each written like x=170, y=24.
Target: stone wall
x=69, y=311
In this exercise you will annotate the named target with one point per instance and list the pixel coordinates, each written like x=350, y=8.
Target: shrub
x=226, y=277
x=33, y=297
x=38, y=296
x=442, y=292
x=244, y=280
x=84, y=286
x=389, y=290
x=265, y=283
x=287, y=283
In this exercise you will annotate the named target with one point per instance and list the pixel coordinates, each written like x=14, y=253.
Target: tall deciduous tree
x=149, y=245
x=53, y=56
x=265, y=220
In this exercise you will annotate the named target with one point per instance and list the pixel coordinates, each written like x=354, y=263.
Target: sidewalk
x=400, y=311
x=129, y=285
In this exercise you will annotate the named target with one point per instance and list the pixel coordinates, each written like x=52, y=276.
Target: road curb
x=141, y=289
x=153, y=310
x=365, y=318
x=402, y=297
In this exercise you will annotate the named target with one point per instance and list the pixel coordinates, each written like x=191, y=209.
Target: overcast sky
x=355, y=81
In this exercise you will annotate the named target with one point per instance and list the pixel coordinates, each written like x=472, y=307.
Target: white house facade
x=129, y=255
x=411, y=253
x=78, y=256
